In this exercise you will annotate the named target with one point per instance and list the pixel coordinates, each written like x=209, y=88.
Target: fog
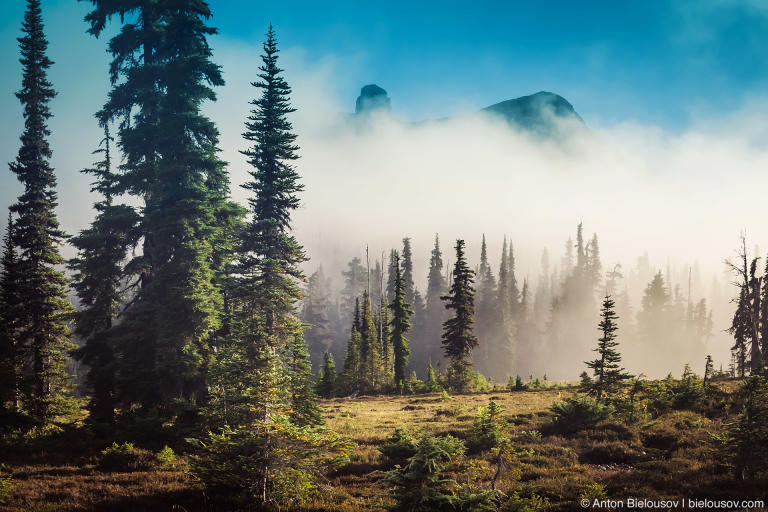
x=680, y=197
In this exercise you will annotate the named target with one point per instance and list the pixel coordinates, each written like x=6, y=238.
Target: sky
x=674, y=91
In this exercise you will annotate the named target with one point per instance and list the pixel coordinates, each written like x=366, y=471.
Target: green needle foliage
x=400, y=324
x=608, y=374
x=40, y=334
x=458, y=336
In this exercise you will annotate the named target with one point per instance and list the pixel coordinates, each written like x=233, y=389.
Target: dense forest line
x=192, y=323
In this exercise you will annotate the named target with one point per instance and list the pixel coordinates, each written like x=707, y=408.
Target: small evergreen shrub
x=166, y=458
x=6, y=484
x=488, y=428
x=125, y=457
x=578, y=413
x=532, y=503
x=399, y=447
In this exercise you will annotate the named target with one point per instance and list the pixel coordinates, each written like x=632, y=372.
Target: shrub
x=593, y=492
x=125, y=457
x=420, y=486
x=488, y=428
x=399, y=447
x=279, y=462
x=578, y=413
x=747, y=445
x=517, y=503
x=6, y=485
x=166, y=457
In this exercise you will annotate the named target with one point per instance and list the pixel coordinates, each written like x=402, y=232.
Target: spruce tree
x=161, y=75
x=97, y=281
x=607, y=372
x=42, y=338
x=401, y=314
x=458, y=331
x=514, y=290
x=385, y=344
x=370, y=352
x=352, y=370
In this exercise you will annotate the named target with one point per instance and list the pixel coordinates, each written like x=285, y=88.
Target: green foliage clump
x=579, y=413
x=747, y=440
x=532, y=503
x=166, y=457
x=488, y=428
x=399, y=447
x=125, y=457
x=279, y=462
x=420, y=485
x=6, y=484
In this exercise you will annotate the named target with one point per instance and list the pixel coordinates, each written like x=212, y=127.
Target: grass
x=671, y=456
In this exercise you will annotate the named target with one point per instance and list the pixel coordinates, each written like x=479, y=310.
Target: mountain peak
x=540, y=112
x=372, y=98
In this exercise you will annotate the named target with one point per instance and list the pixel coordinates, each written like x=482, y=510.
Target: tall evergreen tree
x=9, y=321
x=370, y=352
x=407, y=270
x=385, y=344
x=514, y=290
x=161, y=74
x=400, y=323
x=97, y=281
x=608, y=374
x=303, y=399
x=42, y=339
x=435, y=310
x=326, y=382
x=458, y=331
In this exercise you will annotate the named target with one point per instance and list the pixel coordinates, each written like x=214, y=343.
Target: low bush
x=532, y=503
x=6, y=484
x=125, y=458
x=579, y=413
x=399, y=447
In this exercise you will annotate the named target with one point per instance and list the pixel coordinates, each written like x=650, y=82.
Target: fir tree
x=458, y=335
x=9, y=322
x=435, y=311
x=42, y=335
x=608, y=374
x=326, y=383
x=370, y=352
x=407, y=270
x=400, y=324
x=514, y=291
x=303, y=400
x=97, y=281
x=161, y=74
x=385, y=344
x=352, y=371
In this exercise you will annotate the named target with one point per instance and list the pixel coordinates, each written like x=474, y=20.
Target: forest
x=193, y=355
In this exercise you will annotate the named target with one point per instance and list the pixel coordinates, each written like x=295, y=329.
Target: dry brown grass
x=670, y=456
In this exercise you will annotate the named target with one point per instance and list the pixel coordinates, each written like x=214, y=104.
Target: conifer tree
x=42, y=334
x=303, y=399
x=9, y=321
x=435, y=310
x=352, y=371
x=97, y=281
x=370, y=352
x=391, y=275
x=514, y=290
x=326, y=385
x=608, y=374
x=407, y=270
x=400, y=324
x=385, y=344
x=458, y=331
x=161, y=74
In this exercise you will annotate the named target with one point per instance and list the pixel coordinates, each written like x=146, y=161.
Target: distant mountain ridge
x=542, y=113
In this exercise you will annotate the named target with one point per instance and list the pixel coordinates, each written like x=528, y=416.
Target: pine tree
x=97, y=281
x=458, y=336
x=326, y=383
x=400, y=324
x=608, y=375
x=42, y=338
x=161, y=74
